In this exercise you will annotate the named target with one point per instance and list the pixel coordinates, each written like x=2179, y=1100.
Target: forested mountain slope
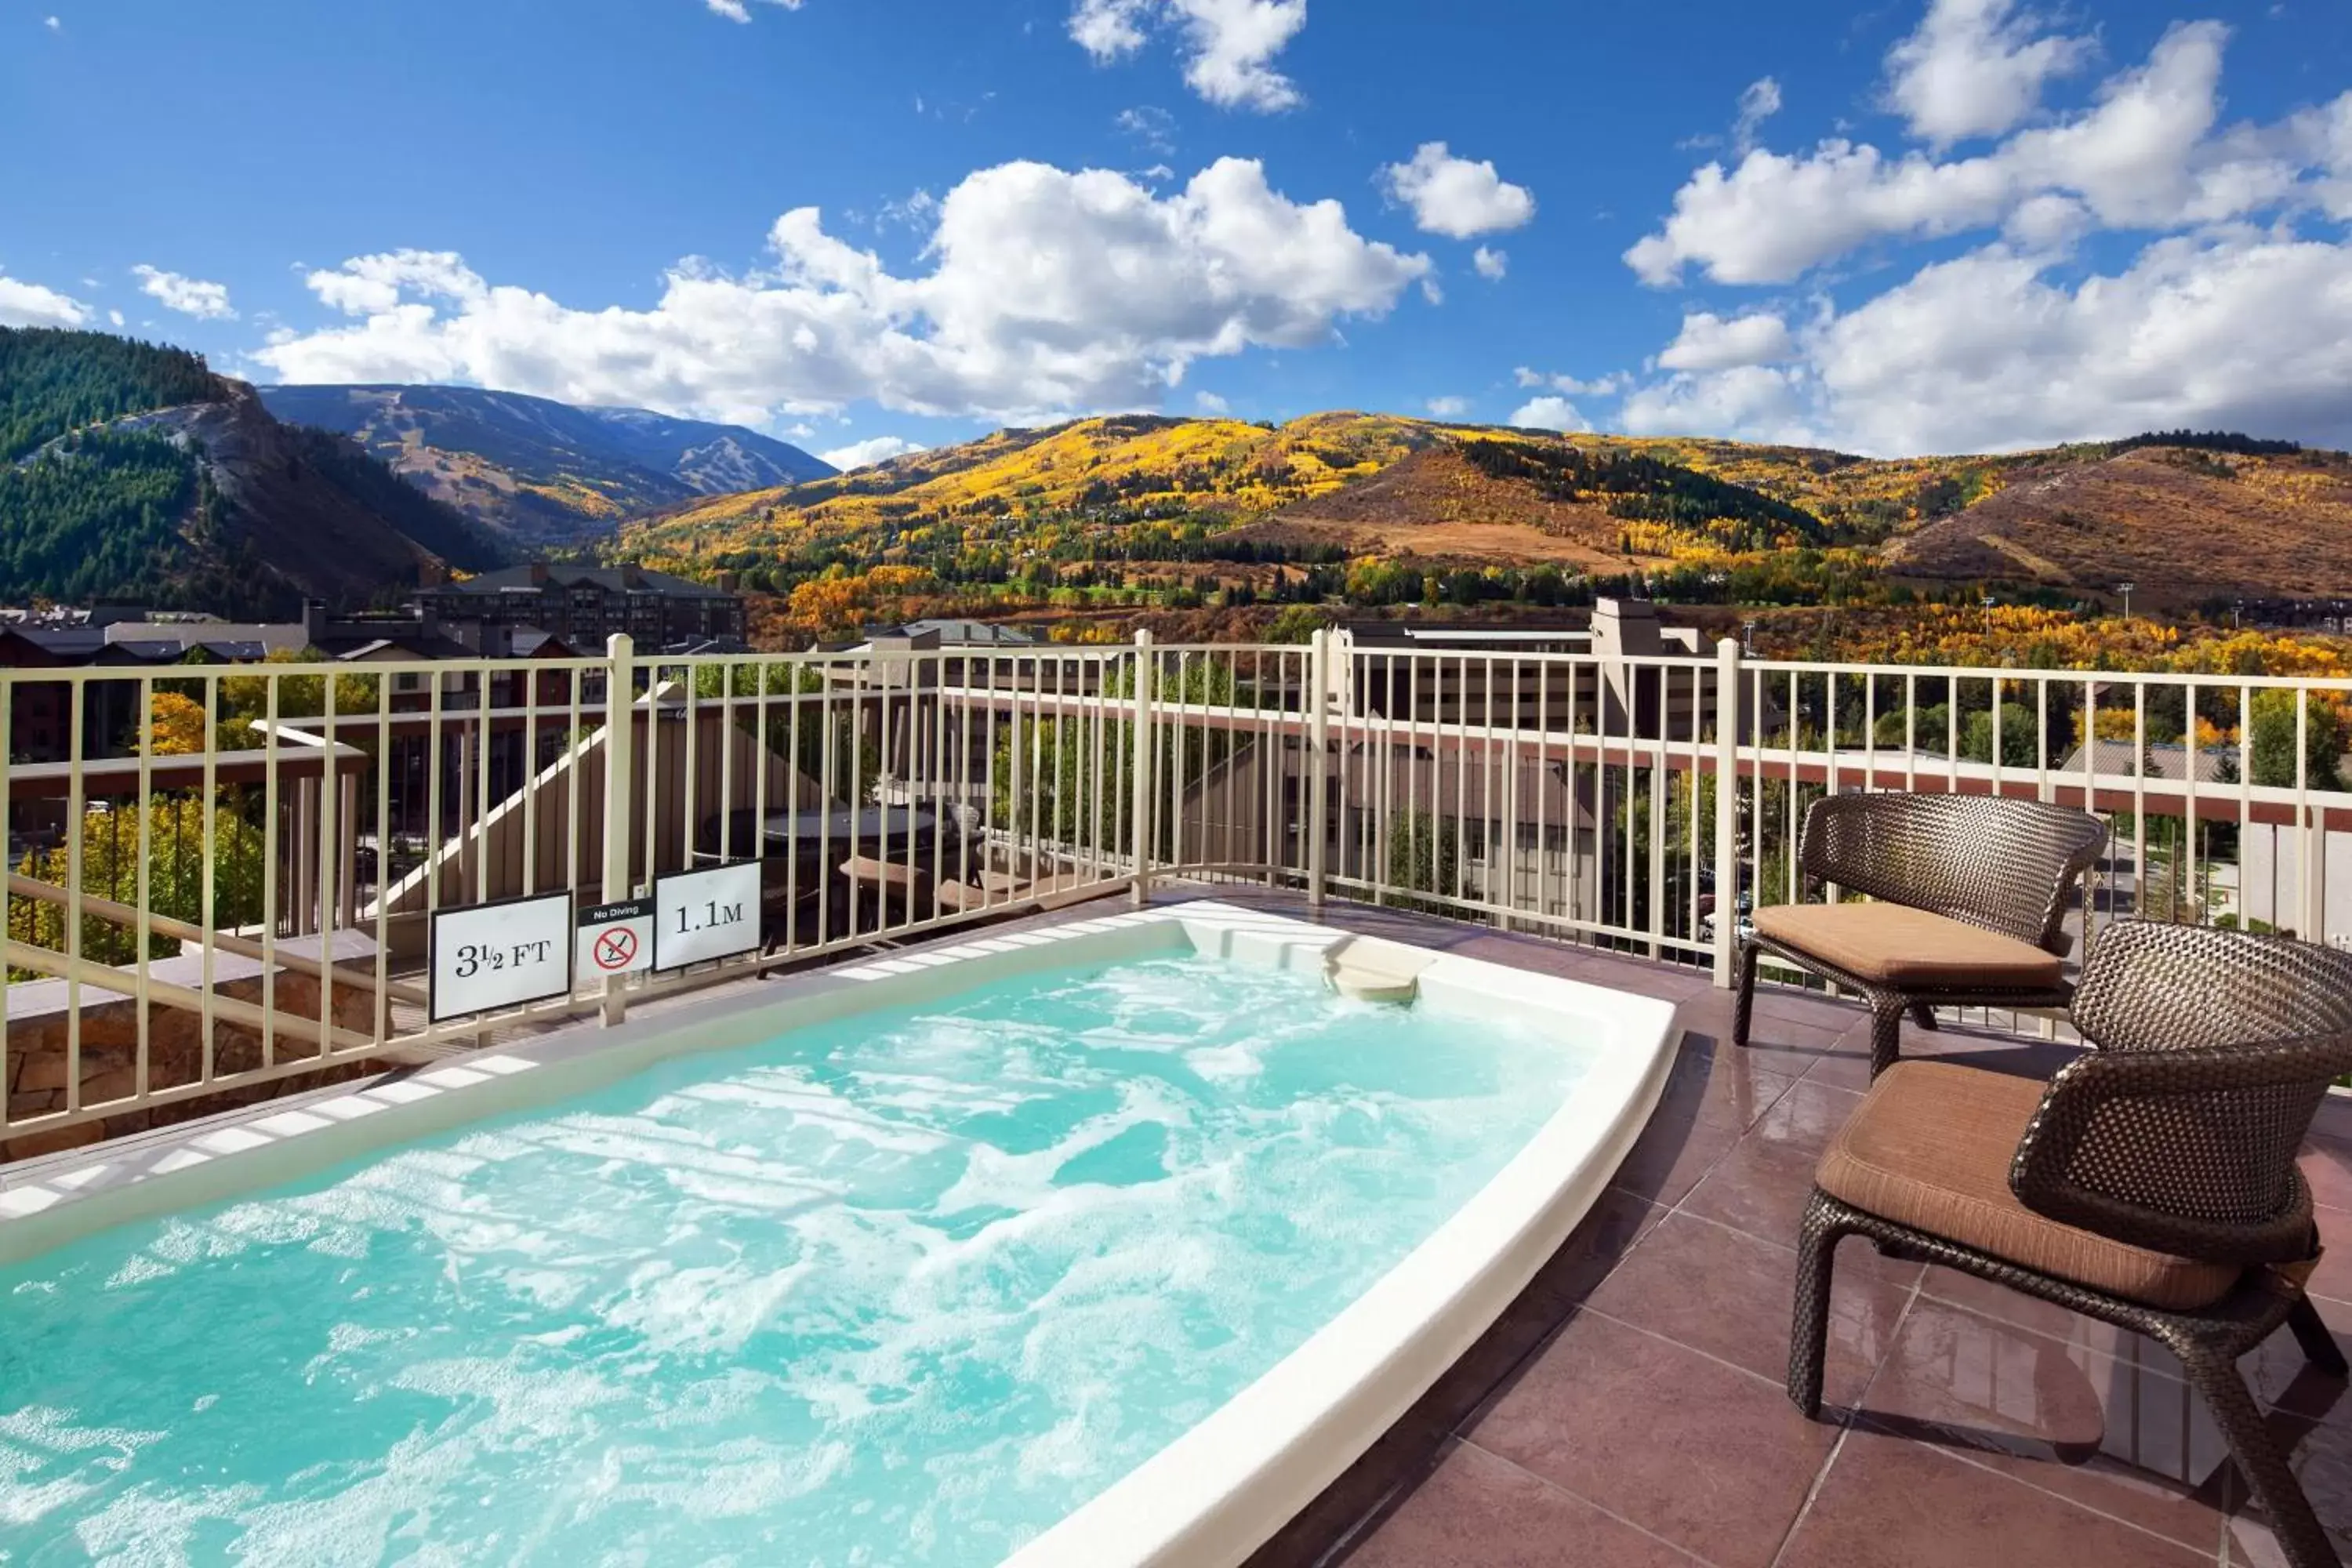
x=131, y=471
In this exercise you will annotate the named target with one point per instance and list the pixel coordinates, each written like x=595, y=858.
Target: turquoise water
x=903, y=1289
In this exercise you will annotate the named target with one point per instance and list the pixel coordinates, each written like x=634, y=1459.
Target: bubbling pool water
x=904, y=1287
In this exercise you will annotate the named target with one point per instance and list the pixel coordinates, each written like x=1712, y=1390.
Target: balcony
x=1605, y=818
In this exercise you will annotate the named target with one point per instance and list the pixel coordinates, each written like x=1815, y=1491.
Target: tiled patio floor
x=1629, y=1410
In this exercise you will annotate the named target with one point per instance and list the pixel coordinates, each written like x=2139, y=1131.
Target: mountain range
x=539, y=472
x=128, y=470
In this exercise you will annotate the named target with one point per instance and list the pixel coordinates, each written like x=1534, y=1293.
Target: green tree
x=2272, y=741
x=176, y=860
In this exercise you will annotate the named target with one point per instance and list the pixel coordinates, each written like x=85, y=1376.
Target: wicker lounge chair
x=1972, y=893
x=2150, y=1184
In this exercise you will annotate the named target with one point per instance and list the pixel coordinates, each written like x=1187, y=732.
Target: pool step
x=1370, y=970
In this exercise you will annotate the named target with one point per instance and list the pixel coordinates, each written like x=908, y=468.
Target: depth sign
x=500, y=954
x=702, y=915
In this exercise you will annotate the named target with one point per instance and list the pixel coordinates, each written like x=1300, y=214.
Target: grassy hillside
x=1378, y=509
x=1138, y=512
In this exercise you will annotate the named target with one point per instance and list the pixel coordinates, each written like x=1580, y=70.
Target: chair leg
x=1808, y=1332
x=1744, y=1003
x=2261, y=1461
x=1886, y=1010
x=1923, y=1015
x=2319, y=1346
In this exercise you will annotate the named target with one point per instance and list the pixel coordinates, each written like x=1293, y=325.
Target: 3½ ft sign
x=500, y=955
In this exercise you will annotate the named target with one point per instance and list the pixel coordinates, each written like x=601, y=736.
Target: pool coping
x=1217, y=1492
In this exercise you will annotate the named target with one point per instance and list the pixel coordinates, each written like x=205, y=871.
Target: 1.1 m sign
x=703, y=915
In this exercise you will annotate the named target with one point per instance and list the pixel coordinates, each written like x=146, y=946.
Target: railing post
x=1726, y=809
x=620, y=803
x=1318, y=783
x=1140, y=768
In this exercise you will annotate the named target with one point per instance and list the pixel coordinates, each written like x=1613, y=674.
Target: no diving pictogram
x=614, y=949
x=616, y=938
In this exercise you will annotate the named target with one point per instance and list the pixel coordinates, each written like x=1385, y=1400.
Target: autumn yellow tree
x=177, y=726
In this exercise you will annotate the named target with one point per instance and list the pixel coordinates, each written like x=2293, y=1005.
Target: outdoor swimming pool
x=905, y=1284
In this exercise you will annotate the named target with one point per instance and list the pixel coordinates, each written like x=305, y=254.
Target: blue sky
x=1931, y=225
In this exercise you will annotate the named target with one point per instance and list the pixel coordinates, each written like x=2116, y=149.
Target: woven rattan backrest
x=2150, y=986
x=2181, y=1135
x=2008, y=866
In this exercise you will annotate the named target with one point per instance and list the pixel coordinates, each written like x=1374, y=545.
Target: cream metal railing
x=228, y=878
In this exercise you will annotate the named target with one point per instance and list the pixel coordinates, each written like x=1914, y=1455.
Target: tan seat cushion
x=1894, y=944
x=1929, y=1147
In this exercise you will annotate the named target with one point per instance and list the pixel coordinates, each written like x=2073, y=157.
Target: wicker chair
x=1972, y=894
x=2150, y=1184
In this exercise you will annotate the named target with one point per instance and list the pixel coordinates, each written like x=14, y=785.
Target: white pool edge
x=1217, y=1493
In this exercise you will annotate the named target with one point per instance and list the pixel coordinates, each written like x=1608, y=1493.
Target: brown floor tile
x=1847, y=1068
x=2134, y=1443
x=2334, y=1121
x=1600, y=1240
x=1714, y=1082
x=1364, y=1492
x=1887, y=1502
x=1480, y=1511
x=1836, y=1015
x=1714, y=1460
x=1791, y=1048
x=2280, y=1375
x=1762, y=1185
x=1731, y=1295
x=1671, y=1156
x=1666, y=983
x=1999, y=1301
x=2333, y=1277
x=2038, y=1059
x=2321, y=1458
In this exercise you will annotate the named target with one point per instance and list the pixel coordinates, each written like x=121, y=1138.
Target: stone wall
x=37, y=1067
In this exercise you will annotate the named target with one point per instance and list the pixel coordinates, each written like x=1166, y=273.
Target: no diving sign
x=616, y=938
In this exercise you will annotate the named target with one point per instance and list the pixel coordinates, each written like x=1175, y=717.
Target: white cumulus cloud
x=1229, y=45
x=2229, y=306
x=1976, y=67
x=1549, y=413
x=1208, y=402
x=873, y=449
x=189, y=296
x=1047, y=290
x=24, y=304
x=1574, y=386
x=1489, y=263
x=2142, y=156
x=740, y=11
x=1709, y=341
x=1448, y=407
x=1456, y=196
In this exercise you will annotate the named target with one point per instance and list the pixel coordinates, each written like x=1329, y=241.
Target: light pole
x=2124, y=589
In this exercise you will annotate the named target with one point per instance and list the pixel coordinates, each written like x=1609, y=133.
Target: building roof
x=950, y=632
x=2169, y=760
x=539, y=575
